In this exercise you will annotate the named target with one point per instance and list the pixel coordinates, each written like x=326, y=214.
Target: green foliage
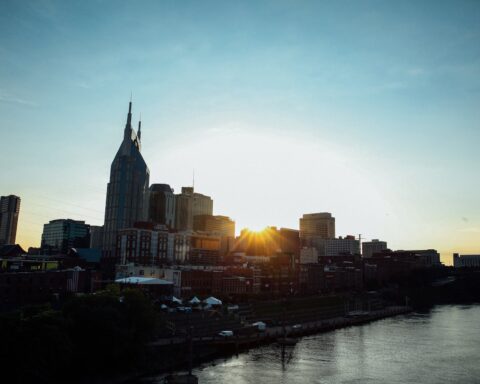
x=35, y=345
x=112, y=290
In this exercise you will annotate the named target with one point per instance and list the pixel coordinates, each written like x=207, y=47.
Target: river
x=438, y=346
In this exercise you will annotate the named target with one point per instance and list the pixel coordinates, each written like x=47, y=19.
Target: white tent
x=195, y=300
x=175, y=300
x=212, y=301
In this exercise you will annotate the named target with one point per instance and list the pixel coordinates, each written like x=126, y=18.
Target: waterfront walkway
x=292, y=330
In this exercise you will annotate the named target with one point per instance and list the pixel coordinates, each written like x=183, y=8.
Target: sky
x=369, y=110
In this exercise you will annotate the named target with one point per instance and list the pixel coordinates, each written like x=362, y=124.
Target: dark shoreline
x=208, y=353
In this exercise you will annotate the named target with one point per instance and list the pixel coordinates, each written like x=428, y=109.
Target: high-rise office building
x=126, y=191
x=96, y=236
x=184, y=209
x=189, y=204
x=161, y=205
x=62, y=234
x=374, y=246
x=316, y=225
x=9, y=211
x=221, y=225
x=202, y=205
x=290, y=241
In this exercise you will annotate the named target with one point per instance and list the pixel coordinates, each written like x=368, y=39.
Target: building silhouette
x=96, y=236
x=161, y=205
x=202, y=205
x=316, y=226
x=369, y=248
x=159, y=246
x=271, y=241
x=9, y=211
x=127, y=188
x=60, y=235
x=347, y=245
x=189, y=204
x=466, y=261
x=221, y=225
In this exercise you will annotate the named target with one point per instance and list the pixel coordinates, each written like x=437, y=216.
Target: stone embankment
x=292, y=330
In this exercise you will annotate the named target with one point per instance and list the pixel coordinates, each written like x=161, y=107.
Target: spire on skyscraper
x=129, y=116
x=128, y=126
x=127, y=188
x=139, y=132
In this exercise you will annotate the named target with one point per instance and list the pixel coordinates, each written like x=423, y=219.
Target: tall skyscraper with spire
x=127, y=189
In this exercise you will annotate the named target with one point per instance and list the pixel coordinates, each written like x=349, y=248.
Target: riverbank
x=172, y=354
x=408, y=348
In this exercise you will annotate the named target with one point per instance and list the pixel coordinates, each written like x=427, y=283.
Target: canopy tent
x=195, y=300
x=212, y=301
x=175, y=300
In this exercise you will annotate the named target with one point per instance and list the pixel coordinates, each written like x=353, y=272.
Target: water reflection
x=441, y=346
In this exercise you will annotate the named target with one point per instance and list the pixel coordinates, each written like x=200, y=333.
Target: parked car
x=225, y=333
x=260, y=325
x=297, y=326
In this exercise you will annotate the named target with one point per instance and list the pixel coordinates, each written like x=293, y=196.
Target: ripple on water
x=440, y=346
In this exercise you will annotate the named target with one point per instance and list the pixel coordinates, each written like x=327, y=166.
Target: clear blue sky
x=367, y=109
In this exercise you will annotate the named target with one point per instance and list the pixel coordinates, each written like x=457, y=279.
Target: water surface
x=441, y=346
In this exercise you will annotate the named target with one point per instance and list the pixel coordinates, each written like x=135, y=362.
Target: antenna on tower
x=139, y=131
x=193, y=181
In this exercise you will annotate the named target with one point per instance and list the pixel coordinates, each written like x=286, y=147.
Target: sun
x=255, y=229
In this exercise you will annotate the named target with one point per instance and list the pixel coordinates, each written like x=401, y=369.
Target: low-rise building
x=60, y=235
x=155, y=287
x=190, y=280
x=466, y=261
x=335, y=276
x=308, y=255
x=11, y=250
x=159, y=246
x=334, y=247
x=41, y=286
x=390, y=265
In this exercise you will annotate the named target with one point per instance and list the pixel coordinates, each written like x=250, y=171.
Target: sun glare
x=256, y=230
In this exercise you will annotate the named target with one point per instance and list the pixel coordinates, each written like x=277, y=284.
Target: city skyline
x=269, y=113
